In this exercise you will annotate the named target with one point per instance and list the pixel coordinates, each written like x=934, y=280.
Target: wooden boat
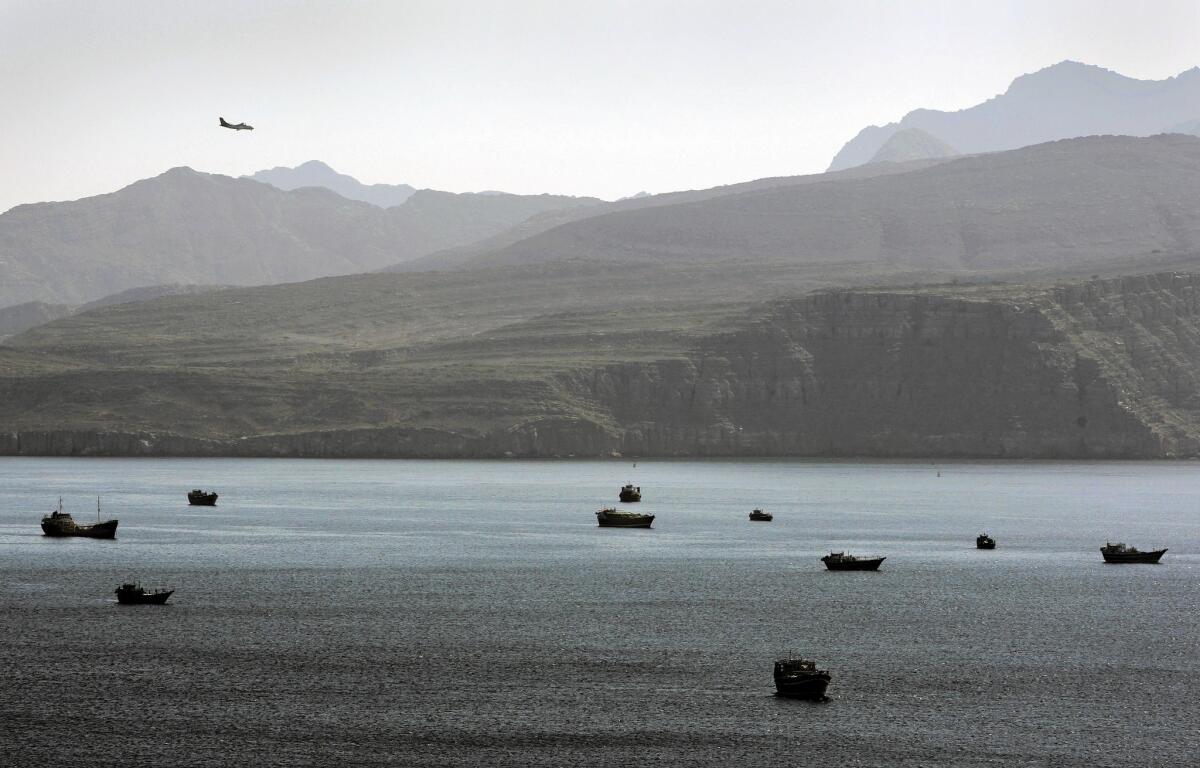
x=800, y=679
x=59, y=524
x=200, y=498
x=841, y=561
x=630, y=494
x=1120, y=553
x=135, y=594
x=613, y=518
x=983, y=541
x=760, y=516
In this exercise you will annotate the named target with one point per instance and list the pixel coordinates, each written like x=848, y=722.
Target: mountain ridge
x=188, y=227
x=1065, y=100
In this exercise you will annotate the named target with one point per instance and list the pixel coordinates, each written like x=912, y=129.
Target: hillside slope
x=1063, y=101
x=1054, y=205
x=1102, y=368
x=543, y=222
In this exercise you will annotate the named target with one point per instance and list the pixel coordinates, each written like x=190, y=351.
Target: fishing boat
x=614, y=518
x=630, y=494
x=983, y=541
x=1121, y=553
x=763, y=517
x=798, y=678
x=60, y=524
x=135, y=594
x=201, y=498
x=841, y=561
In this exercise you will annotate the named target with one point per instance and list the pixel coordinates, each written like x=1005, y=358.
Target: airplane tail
x=223, y=123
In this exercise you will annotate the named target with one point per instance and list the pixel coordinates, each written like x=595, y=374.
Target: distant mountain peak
x=314, y=173
x=1066, y=100
x=913, y=144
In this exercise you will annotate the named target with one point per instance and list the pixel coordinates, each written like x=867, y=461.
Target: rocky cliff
x=1104, y=369
x=1100, y=369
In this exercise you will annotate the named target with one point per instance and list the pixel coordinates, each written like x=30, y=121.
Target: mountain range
x=186, y=227
x=811, y=316
x=1066, y=100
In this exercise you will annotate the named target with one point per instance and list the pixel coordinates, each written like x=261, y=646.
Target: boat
x=1121, y=553
x=761, y=516
x=135, y=594
x=841, y=561
x=800, y=679
x=200, y=498
x=613, y=518
x=983, y=541
x=59, y=523
x=629, y=493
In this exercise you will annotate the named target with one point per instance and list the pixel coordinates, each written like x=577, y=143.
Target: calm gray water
x=471, y=613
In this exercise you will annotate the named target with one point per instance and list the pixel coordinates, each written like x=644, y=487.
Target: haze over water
x=471, y=613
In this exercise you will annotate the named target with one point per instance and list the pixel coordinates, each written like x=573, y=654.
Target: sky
x=586, y=97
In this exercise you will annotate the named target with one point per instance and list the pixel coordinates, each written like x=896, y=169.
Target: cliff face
x=1106, y=369
x=1103, y=369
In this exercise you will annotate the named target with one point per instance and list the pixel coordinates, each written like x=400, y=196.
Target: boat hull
x=645, y=522
x=155, y=598
x=202, y=500
x=1133, y=557
x=629, y=498
x=809, y=687
x=761, y=518
x=871, y=564
x=105, y=530
x=985, y=545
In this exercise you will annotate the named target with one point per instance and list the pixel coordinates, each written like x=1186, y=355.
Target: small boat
x=200, y=498
x=983, y=541
x=135, y=594
x=800, y=679
x=613, y=518
x=629, y=493
x=1120, y=553
x=761, y=516
x=59, y=523
x=841, y=561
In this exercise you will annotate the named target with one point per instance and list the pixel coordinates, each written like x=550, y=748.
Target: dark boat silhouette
x=841, y=561
x=629, y=493
x=200, y=498
x=613, y=518
x=800, y=679
x=760, y=516
x=1120, y=553
x=59, y=524
x=135, y=594
x=983, y=541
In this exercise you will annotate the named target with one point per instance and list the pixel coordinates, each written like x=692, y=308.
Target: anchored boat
x=614, y=518
x=841, y=561
x=983, y=541
x=59, y=523
x=135, y=594
x=762, y=517
x=800, y=679
x=200, y=498
x=630, y=494
x=1121, y=553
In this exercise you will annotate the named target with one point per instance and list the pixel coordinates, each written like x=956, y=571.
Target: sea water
x=446, y=613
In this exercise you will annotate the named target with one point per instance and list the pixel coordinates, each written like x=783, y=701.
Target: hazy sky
x=597, y=97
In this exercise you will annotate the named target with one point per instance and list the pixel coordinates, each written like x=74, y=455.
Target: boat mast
x=97, y=508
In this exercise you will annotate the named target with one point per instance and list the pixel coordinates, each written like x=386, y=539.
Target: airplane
x=238, y=127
